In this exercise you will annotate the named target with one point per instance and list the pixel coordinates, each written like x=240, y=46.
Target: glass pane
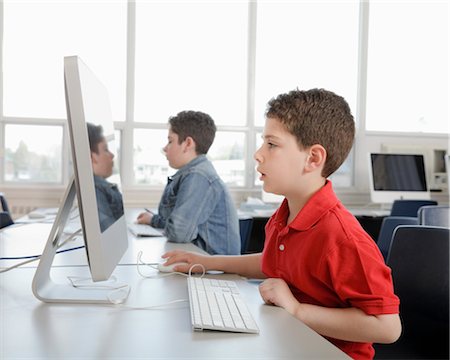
x=115, y=147
x=191, y=56
x=36, y=37
x=343, y=177
x=259, y=142
x=305, y=44
x=227, y=156
x=33, y=153
x=408, y=73
x=150, y=164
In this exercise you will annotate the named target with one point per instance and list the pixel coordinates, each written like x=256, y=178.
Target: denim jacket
x=109, y=202
x=197, y=207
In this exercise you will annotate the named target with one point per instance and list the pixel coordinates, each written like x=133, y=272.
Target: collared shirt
x=109, y=202
x=197, y=207
x=327, y=259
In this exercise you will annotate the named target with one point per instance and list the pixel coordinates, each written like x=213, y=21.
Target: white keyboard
x=144, y=230
x=217, y=305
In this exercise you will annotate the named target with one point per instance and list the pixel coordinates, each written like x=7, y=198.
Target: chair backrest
x=5, y=215
x=437, y=215
x=419, y=259
x=245, y=229
x=4, y=203
x=388, y=226
x=5, y=219
x=409, y=207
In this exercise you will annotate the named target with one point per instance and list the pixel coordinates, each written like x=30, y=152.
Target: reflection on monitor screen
x=108, y=195
x=99, y=201
x=397, y=176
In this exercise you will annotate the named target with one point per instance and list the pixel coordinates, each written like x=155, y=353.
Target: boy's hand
x=277, y=292
x=190, y=258
x=144, y=218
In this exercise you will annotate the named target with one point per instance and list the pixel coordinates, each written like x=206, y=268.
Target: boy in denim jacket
x=196, y=205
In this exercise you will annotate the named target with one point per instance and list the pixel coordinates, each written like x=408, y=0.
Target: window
x=306, y=44
x=37, y=36
x=227, y=155
x=150, y=164
x=33, y=153
x=407, y=84
x=223, y=58
x=191, y=56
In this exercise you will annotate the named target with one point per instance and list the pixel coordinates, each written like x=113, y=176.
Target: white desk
x=32, y=329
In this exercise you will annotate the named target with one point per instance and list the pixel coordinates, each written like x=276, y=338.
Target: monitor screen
x=104, y=229
x=397, y=176
x=95, y=184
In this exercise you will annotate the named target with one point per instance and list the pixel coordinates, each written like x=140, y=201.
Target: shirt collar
x=102, y=182
x=319, y=204
x=190, y=164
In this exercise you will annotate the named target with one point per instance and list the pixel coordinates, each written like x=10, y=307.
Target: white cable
x=140, y=262
x=3, y=270
x=152, y=307
x=77, y=282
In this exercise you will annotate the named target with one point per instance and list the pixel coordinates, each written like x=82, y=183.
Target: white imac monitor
x=102, y=220
x=397, y=176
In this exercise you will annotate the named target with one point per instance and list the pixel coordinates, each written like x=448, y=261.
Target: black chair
x=409, y=207
x=388, y=226
x=437, y=215
x=5, y=215
x=245, y=229
x=419, y=259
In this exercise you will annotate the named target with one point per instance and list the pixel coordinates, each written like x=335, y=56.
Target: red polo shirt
x=327, y=259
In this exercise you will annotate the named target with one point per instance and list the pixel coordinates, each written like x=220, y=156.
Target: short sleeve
x=361, y=278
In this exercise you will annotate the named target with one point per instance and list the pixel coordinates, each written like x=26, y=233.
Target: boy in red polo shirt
x=319, y=264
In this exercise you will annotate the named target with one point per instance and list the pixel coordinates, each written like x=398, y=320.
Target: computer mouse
x=169, y=268
x=36, y=215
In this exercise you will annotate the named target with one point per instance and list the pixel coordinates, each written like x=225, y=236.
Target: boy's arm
x=245, y=265
x=350, y=324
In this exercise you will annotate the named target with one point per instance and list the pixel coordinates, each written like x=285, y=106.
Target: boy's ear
x=93, y=157
x=316, y=158
x=190, y=143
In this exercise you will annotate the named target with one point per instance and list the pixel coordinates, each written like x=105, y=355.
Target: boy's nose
x=257, y=155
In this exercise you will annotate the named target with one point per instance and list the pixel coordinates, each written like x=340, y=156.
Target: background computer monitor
x=87, y=100
x=397, y=176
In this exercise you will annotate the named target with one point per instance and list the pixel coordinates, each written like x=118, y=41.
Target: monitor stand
x=43, y=286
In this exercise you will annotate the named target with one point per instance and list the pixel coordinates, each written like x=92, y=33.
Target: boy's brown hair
x=95, y=134
x=317, y=116
x=197, y=125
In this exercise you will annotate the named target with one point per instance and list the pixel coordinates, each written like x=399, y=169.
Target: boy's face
x=175, y=152
x=102, y=162
x=280, y=160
